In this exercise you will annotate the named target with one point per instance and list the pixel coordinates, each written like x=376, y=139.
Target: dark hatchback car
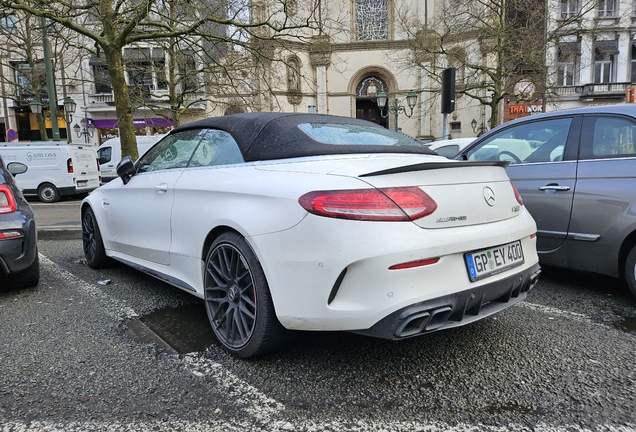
x=19, y=263
x=576, y=172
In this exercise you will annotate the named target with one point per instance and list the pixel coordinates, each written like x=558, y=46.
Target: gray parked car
x=19, y=263
x=576, y=172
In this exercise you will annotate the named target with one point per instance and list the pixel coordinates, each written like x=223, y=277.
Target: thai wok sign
x=514, y=109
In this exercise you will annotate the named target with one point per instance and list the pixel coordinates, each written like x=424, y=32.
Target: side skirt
x=161, y=276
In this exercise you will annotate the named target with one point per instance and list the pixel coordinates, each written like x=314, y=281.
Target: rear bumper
x=18, y=254
x=456, y=309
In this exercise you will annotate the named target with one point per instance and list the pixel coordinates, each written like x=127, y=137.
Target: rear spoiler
x=436, y=165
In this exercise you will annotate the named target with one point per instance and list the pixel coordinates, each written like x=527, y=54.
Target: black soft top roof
x=268, y=136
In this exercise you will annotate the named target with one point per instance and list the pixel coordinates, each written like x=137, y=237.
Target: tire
x=48, y=193
x=238, y=300
x=27, y=278
x=630, y=270
x=92, y=242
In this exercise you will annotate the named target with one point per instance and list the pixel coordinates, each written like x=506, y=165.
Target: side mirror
x=126, y=169
x=16, y=168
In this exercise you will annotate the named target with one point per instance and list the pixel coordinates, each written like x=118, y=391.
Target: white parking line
x=113, y=307
x=260, y=406
x=264, y=411
x=554, y=311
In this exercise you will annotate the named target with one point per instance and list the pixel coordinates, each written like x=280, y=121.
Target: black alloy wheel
x=238, y=301
x=92, y=242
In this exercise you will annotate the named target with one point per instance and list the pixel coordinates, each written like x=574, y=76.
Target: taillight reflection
x=517, y=194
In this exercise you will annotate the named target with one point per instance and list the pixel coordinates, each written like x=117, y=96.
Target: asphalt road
x=73, y=359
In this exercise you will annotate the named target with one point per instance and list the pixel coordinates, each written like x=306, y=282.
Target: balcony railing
x=102, y=98
x=609, y=90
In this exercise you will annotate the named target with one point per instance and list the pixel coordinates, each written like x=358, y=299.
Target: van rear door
x=85, y=168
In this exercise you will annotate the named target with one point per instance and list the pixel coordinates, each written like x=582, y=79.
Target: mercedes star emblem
x=489, y=196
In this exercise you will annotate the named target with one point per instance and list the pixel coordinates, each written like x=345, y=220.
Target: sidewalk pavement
x=58, y=221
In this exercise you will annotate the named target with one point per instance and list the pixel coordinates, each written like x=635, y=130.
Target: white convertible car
x=283, y=221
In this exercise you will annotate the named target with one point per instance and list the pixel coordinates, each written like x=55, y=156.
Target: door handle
x=161, y=187
x=554, y=188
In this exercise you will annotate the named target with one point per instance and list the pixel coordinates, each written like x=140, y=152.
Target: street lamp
x=69, y=109
x=396, y=108
x=36, y=107
x=83, y=130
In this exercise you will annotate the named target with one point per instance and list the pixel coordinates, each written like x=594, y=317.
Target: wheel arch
x=85, y=205
x=46, y=183
x=214, y=234
x=628, y=244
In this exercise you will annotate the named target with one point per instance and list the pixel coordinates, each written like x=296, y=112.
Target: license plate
x=82, y=183
x=484, y=263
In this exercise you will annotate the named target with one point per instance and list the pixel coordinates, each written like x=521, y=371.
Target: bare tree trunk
x=122, y=103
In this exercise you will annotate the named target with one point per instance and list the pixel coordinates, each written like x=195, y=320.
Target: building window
x=569, y=9
x=372, y=19
x=604, y=59
x=159, y=68
x=188, y=73
x=24, y=80
x=146, y=68
x=603, y=68
x=8, y=24
x=457, y=59
x=607, y=8
x=567, y=61
x=102, y=80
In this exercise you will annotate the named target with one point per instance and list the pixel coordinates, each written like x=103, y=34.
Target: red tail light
x=98, y=167
x=7, y=200
x=390, y=204
x=517, y=194
x=69, y=165
x=10, y=234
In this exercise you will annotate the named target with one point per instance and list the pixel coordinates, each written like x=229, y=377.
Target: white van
x=54, y=170
x=109, y=154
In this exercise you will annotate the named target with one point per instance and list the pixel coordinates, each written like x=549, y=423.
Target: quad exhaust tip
x=434, y=319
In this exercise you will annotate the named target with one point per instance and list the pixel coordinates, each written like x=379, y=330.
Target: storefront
x=28, y=129
x=109, y=128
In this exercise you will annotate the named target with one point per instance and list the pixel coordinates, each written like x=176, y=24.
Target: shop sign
x=515, y=110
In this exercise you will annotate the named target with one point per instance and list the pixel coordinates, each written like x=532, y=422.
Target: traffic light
x=448, y=90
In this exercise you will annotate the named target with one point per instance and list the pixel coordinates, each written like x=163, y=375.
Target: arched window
x=370, y=87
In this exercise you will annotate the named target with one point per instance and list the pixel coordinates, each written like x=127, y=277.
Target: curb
x=59, y=233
